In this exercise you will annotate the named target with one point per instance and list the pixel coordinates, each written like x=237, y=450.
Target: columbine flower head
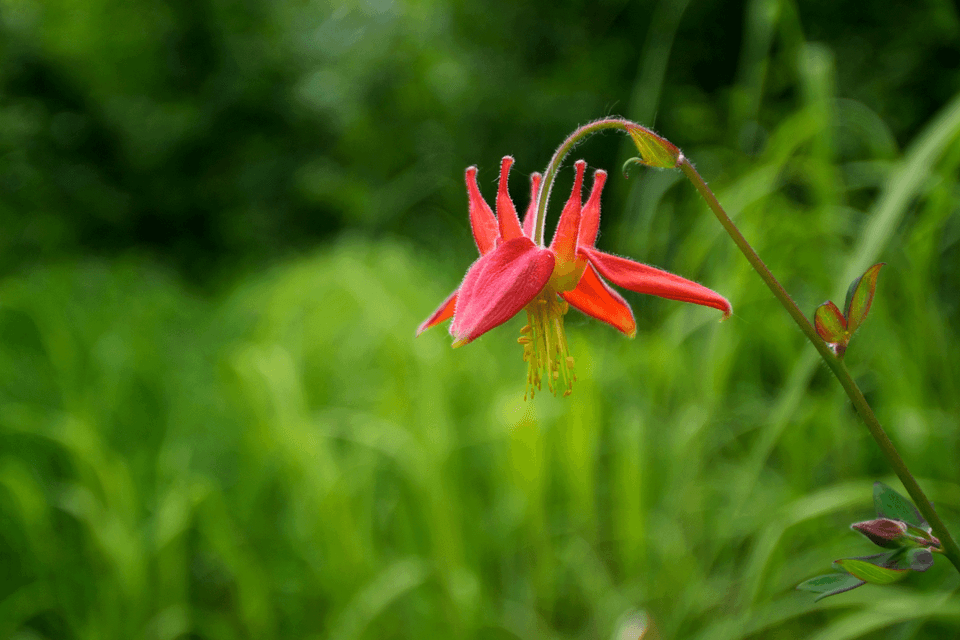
x=514, y=273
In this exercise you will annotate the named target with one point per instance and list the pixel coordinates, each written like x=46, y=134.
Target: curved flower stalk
x=514, y=273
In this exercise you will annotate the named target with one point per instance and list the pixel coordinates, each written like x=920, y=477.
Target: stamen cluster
x=545, y=347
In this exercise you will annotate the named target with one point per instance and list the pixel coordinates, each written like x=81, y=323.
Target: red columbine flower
x=514, y=273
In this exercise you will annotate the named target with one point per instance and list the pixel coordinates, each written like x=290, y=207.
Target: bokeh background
x=222, y=220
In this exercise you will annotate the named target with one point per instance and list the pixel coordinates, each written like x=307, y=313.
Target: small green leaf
x=860, y=296
x=869, y=572
x=890, y=504
x=830, y=323
x=830, y=584
x=920, y=559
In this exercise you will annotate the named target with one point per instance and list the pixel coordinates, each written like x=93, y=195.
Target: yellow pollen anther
x=524, y=340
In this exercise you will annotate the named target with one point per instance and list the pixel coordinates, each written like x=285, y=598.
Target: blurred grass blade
x=391, y=583
x=905, y=181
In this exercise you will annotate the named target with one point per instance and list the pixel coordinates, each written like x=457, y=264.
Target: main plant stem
x=836, y=365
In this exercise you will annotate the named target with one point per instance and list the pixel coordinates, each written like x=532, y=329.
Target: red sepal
x=650, y=280
x=498, y=286
x=444, y=311
x=596, y=299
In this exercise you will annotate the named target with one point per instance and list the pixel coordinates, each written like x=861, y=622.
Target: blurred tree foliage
x=217, y=133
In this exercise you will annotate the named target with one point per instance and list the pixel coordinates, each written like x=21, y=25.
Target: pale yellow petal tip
x=632, y=334
x=459, y=343
x=726, y=314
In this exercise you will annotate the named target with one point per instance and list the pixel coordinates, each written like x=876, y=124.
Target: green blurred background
x=221, y=222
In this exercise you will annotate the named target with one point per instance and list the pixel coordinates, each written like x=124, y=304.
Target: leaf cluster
x=900, y=528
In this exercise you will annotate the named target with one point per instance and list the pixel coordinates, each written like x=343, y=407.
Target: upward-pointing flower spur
x=514, y=273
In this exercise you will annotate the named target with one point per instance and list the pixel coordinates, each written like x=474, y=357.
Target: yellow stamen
x=545, y=344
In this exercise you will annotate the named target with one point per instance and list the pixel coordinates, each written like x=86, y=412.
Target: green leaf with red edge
x=860, y=297
x=890, y=504
x=870, y=572
x=830, y=584
x=830, y=324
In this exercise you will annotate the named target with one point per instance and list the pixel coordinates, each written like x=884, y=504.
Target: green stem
x=557, y=159
x=836, y=365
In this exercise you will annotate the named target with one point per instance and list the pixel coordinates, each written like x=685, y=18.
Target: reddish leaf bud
x=883, y=532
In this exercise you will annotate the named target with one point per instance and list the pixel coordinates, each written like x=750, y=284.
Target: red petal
x=506, y=212
x=482, y=222
x=595, y=298
x=590, y=219
x=444, y=311
x=498, y=285
x=564, y=242
x=645, y=279
x=531, y=214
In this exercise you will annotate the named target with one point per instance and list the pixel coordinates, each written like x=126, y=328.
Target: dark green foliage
x=218, y=134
